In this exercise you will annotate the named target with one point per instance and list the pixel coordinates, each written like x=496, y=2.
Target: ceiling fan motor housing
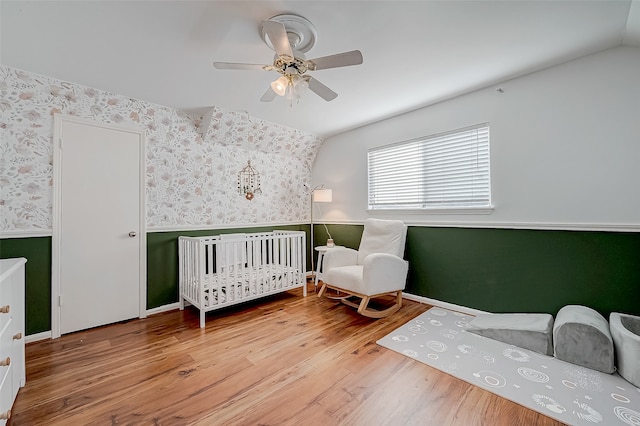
x=288, y=65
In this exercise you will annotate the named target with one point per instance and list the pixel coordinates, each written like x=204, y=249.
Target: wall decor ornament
x=249, y=182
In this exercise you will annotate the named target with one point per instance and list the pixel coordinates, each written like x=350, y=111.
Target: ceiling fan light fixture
x=301, y=85
x=280, y=85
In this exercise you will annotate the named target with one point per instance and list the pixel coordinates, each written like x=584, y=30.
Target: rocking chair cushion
x=349, y=277
x=382, y=236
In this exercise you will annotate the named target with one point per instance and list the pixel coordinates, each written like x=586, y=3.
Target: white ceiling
x=415, y=52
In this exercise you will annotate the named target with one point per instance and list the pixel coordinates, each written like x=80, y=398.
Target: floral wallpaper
x=191, y=171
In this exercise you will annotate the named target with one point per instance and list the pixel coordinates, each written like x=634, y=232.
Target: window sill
x=435, y=210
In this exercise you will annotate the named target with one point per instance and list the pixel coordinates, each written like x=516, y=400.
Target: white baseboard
x=37, y=337
x=441, y=304
x=164, y=308
x=47, y=334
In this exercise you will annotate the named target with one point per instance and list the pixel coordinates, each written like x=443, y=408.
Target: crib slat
x=263, y=264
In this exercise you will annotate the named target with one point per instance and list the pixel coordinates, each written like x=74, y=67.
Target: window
x=448, y=170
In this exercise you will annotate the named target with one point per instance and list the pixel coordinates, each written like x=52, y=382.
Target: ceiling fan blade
x=235, y=66
x=321, y=90
x=278, y=37
x=345, y=59
x=268, y=96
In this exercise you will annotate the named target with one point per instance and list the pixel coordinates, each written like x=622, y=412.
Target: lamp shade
x=280, y=85
x=322, y=196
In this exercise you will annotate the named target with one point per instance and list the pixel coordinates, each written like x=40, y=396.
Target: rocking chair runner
x=376, y=269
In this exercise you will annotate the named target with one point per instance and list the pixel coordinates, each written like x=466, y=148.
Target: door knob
x=132, y=234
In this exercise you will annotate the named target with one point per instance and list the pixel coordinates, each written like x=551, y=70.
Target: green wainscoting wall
x=37, y=251
x=496, y=270
x=515, y=270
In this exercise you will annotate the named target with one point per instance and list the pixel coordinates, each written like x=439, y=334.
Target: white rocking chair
x=376, y=269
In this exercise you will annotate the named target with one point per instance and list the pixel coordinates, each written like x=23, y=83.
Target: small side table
x=321, y=251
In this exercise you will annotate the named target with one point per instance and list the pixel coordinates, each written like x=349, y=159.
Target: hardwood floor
x=280, y=361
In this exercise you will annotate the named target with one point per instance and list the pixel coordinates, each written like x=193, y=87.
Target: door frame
x=58, y=122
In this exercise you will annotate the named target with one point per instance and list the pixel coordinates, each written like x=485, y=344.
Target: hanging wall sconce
x=249, y=182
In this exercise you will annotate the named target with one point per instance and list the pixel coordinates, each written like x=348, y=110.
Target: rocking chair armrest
x=384, y=273
x=339, y=256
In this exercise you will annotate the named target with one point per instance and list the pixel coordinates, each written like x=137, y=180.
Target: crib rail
x=222, y=270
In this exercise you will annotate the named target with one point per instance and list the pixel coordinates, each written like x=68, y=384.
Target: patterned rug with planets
x=569, y=393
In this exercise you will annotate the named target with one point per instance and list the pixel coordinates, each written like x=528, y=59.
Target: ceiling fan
x=291, y=36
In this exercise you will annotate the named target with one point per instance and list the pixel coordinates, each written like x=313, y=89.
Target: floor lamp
x=319, y=194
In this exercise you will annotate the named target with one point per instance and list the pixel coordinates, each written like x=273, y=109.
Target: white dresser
x=12, y=362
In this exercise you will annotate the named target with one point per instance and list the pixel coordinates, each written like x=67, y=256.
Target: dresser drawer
x=6, y=298
x=12, y=371
x=6, y=347
x=6, y=372
x=6, y=398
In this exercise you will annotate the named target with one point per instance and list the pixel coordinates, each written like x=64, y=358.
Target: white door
x=99, y=235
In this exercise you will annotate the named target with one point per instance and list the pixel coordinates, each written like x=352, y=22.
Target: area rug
x=569, y=393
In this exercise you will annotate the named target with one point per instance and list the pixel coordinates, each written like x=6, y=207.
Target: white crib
x=227, y=269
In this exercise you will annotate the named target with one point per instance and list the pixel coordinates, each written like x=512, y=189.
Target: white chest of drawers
x=12, y=362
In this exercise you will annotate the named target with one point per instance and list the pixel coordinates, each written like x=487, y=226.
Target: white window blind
x=445, y=170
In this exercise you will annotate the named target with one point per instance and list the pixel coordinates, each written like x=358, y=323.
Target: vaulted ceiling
x=415, y=53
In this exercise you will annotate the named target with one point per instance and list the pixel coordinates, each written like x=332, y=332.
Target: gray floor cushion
x=581, y=336
x=529, y=331
x=625, y=331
